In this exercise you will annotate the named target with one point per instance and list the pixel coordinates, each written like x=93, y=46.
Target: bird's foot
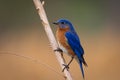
x=59, y=50
x=65, y=67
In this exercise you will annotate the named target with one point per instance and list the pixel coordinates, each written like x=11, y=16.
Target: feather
x=74, y=42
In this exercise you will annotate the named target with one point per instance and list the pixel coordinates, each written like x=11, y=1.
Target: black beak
x=55, y=23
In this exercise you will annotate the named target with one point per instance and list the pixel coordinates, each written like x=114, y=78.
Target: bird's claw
x=59, y=50
x=65, y=67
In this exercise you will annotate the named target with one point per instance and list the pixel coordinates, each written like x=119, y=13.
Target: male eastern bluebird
x=69, y=42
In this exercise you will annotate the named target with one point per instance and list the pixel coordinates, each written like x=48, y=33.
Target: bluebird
x=69, y=43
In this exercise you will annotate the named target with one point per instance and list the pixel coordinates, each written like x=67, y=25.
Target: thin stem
x=50, y=36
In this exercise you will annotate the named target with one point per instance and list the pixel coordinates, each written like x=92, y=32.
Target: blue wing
x=74, y=42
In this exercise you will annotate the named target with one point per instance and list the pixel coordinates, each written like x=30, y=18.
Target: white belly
x=63, y=49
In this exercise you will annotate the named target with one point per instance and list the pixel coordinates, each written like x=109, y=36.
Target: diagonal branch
x=43, y=17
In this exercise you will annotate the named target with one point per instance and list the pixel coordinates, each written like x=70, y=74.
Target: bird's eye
x=62, y=22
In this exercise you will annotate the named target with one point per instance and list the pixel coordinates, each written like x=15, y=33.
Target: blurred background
x=97, y=22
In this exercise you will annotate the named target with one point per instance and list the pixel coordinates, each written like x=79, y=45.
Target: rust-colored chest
x=60, y=34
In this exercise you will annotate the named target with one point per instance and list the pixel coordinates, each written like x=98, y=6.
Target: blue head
x=63, y=23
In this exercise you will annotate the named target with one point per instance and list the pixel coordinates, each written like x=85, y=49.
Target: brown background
x=21, y=32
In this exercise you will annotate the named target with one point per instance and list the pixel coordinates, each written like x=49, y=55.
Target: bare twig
x=43, y=17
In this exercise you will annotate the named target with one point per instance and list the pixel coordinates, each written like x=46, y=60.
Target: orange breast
x=62, y=40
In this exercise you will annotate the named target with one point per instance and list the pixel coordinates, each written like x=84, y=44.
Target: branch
x=43, y=17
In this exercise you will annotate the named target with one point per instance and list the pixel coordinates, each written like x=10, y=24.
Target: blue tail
x=81, y=67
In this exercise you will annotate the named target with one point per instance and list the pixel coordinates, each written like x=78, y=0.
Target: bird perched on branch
x=69, y=42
